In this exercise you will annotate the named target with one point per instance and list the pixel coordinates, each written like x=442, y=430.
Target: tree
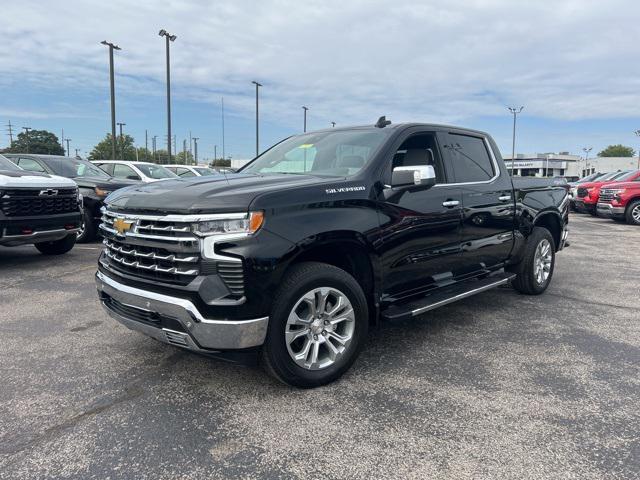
x=221, y=162
x=125, y=150
x=37, y=141
x=181, y=156
x=616, y=151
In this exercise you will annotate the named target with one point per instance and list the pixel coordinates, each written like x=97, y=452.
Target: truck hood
x=230, y=193
x=630, y=185
x=26, y=179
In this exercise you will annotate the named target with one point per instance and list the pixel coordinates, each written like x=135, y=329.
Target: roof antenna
x=382, y=122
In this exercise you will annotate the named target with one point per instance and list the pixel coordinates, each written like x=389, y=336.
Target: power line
x=10, y=133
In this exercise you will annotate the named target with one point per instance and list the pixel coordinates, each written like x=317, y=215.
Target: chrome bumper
x=198, y=333
x=36, y=237
x=607, y=209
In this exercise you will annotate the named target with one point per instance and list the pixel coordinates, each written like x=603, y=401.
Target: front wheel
x=534, y=272
x=318, y=326
x=57, y=247
x=633, y=213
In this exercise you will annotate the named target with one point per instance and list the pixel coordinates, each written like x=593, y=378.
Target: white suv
x=38, y=208
x=144, y=171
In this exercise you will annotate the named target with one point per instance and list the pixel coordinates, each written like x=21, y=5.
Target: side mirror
x=417, y=176
x=133, y=177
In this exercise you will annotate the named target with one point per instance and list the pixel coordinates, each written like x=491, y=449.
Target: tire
x=632, y=214
x=88, y=229
x=527, y=280
x=57, y=247
x=292, y=317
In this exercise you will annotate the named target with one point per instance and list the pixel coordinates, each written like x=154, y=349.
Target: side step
x=445, y=296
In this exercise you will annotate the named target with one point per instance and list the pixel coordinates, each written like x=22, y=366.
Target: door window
x=107, y=167
x=184, y=172
x=470, y=158
x=124, y=171
x=420, y=150
x=30, y=164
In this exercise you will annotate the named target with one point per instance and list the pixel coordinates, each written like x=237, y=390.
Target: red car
x=621, y=201
x=589, y=193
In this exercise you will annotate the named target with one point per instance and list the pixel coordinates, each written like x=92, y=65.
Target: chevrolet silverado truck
x=588, y=193
x=39, y=209
x=322, y=236
x=621, y=201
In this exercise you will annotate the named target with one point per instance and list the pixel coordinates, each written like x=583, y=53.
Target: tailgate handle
x=451, y=203
x=504, y=198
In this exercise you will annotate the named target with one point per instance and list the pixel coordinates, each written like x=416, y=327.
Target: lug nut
x=324, y=332
x=315, y=337
x=326, y=322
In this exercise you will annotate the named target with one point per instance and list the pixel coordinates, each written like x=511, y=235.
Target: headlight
x=248, y=224
x=101, y=192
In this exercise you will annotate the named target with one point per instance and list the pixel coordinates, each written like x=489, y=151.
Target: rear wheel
x=317, y=327
x=534, y=272
x=57, y=247
x=633, y=213
x=87, y=230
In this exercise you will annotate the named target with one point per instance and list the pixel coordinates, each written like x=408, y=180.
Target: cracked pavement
x=499, y=385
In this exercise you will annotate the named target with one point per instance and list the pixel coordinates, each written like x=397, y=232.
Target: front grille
x=162, y=249
x=140, y=314
x=33, y=202
x=606, y=195
x=582, y=192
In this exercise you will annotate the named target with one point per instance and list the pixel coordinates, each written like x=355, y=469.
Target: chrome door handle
x=504, y=198
x=451, y=203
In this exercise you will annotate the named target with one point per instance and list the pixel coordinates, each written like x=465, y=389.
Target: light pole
x=169, y=38
x=333, y=124
x=68, y=149
x=305, y=118
x=195, y=149
x=121, y=140
x=27, y=130
x=77, y=150
x=637, y=132
x=258, y=85
x=514, y=111
x=112, y=47
x=153, y=145
x=586, y=159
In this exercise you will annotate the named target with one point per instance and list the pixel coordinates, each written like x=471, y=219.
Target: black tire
x=57, y=247
x=301, y=279
x=526, y=281
x=632, y=208
x=88, y=231
x=619, y=219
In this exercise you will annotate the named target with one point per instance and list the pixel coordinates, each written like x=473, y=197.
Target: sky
x=572, y=64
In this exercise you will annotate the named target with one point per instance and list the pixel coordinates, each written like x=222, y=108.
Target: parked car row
x=612, y=194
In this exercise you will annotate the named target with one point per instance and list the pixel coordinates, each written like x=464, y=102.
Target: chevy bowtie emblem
x=121, y=225
x=48, y=192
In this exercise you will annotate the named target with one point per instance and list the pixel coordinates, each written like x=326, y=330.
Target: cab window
x=31, y=165
x=469, y=158
x=420, y=150
x=184, y=172
x=125, y=171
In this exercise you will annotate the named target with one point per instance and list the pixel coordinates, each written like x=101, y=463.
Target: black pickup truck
x=322, y=236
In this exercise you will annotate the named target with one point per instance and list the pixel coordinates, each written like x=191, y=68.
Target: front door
x=420, y=229
x=488, y=205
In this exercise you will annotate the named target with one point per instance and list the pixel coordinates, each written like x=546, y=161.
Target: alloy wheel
x=320, y=328
x=542, y=261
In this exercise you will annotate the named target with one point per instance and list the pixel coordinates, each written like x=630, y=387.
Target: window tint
x=155, y=171
x=420, y=150
x=469, y=158
x=6, y=164
x=124, y=171
x=184, y=172
x=107, y=167
x=29, y=164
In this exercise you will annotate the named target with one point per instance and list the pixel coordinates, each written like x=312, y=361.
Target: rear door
x=420, y=229
x=487, y=200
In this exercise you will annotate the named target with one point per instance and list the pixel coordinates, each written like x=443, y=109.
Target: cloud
x=348, y=61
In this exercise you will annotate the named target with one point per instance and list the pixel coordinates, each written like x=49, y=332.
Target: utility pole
x=637, y=132
x=215, y=152
x=10, y=132
x=27, y=130
x=62, y=138
x=258, y=85
x=68, y=150
x=77, y=149
x=146, y=145
x=514, y=111
x=121, y=140
x=112, y=47
x=195, y=149
x=305, y=118
x=586, y=159
x=184, y=151
x=333, y=124
x=169, y=38
x=153, y=143
x=190, y=143
x=223, y=128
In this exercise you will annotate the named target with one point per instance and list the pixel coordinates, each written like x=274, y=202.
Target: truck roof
x=397, y=126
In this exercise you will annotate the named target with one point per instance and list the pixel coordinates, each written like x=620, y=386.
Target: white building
x=545, y=165
x=609, y=164
x=238, y=162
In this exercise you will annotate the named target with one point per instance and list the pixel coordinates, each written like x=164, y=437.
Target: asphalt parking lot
x=500, y=385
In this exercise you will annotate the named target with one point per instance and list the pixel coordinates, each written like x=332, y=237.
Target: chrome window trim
x=495, y=166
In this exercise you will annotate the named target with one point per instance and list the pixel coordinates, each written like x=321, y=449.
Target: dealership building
x=566, y=165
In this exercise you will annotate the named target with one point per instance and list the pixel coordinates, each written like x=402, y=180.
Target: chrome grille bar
x=150, y=267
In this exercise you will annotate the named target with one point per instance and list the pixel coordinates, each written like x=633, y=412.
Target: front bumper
x=609, y=210
x=175, y=320
x=16, y=231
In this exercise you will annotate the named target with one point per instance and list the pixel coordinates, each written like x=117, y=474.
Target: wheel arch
x=552, y=221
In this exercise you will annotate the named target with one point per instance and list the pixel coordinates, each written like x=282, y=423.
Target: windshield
x=623, y=175
x=205, y=171
x=74, y=167
x=6, y=164
x=609, y=176
x=591, y=177
x=155, y=171
x=336, y=154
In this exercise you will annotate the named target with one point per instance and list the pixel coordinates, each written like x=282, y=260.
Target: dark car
x=320, y=237
x=95, y=184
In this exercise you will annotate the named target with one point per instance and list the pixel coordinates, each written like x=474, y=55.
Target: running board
x=445, y=296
